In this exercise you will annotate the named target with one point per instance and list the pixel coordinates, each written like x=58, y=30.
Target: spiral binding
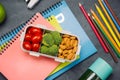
x=51, y=8
x=8, y=39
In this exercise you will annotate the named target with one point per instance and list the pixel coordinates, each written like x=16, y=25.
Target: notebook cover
x=53, y=21
x=9, y=36
x=69, y=23
x=18, y=65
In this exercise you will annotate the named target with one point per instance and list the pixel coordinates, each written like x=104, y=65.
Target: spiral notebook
x=69, y=23
x=18, y=65
x=8, y=38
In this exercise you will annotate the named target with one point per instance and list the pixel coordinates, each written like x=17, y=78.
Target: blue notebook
x=69, y=23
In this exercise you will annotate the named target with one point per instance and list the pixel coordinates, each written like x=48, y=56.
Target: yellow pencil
x=106, y=32
x=108, y=25
x=110, y=20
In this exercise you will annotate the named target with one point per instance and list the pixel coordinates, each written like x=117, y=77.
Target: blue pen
x=118, y=27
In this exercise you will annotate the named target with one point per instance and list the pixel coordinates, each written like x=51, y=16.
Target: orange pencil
x=109, y=19
x=106, y=43
x=116, y=48
x=93, y=28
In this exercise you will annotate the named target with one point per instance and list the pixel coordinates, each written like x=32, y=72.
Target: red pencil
x=93, y=28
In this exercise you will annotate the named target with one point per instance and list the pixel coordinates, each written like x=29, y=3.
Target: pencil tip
x=91, y=10
x=88, y=14
x=96, y=5
x=93, y=17
x=80, y=4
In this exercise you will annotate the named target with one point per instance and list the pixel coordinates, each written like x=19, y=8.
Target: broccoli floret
x=47, y=31
x=53, y=50
x=44, y=49
x=48, y=40
x=57, y=37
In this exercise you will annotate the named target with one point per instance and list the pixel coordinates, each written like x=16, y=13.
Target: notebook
x=53, y=21
x=18, y=65
x=69, y=23
x=6, y=39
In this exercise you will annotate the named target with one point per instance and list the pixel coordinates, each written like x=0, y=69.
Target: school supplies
x=93, y=27
x=18, y=65
x=53, y=21
x=69, y=23
x=108, y=25
x=106, y=34
x=97, y=73
x=8, y=38
x=110, y=11
x=31, y=3
x=107, y=44
x=110, y=20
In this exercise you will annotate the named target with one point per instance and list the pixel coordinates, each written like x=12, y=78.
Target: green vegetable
x=56, y=36
x=44, y=49
x=48, y=39
x=50, y=42
x=53, y=50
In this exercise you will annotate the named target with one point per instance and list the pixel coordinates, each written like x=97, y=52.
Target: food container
x=37, y=40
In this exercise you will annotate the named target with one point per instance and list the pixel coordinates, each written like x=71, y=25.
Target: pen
x=31, y=3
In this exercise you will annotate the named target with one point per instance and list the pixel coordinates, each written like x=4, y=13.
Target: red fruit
x=28, y=37
x=34, y=31
x=28, y=30
x=36, y=38
x=35, y=47
x=27, y=45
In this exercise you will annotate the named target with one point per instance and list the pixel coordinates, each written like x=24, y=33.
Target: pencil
x=107, y=25
x=108, y=36
x=112, y=14
x=110, y=20
x=111, y=10
x=93, y=28
x=107, y=44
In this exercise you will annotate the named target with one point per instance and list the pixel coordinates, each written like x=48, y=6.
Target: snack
x=68, y=47
x=32, y=39
x=53, y=44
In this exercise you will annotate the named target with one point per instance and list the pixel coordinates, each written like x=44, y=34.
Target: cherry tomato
x=28, y=30
x=34, y=31
x=27, y=45
x=36, y=38
x=28, y=37
x=35, y=47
